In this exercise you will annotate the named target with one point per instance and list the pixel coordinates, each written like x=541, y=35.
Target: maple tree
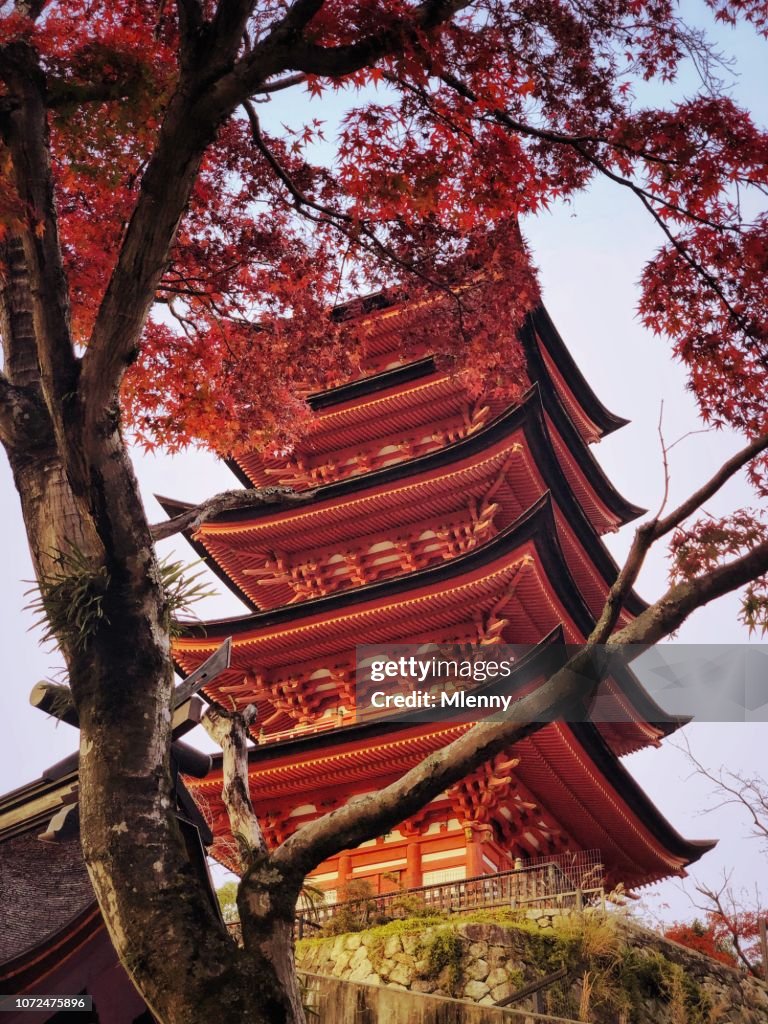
x=728, y=933
x=169, y=265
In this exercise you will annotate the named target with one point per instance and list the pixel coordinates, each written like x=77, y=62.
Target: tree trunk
x=161, y=919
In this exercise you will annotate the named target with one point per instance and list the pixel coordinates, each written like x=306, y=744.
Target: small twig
x=664, y=459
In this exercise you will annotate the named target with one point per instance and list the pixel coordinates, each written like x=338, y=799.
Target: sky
x=589, y=256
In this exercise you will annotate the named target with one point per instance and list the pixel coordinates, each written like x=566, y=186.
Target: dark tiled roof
x=43, y=886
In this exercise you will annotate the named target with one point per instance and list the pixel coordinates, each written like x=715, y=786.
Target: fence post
x=579, y=900
x=764, y=947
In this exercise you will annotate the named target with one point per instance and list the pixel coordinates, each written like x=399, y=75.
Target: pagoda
x=435, y=517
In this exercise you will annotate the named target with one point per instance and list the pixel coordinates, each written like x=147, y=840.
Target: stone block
x=359, y=955
x=477, y=970
x=353, y=942
x=411, y=943
x=475, y=990
x=401, y=974
x=362, y=971
x=402, y=958
x=393, y=945
x=478, y=949
x=497, y=955
x=340, y=965
x=495, y=977
x=503, y=991
x=385, y=967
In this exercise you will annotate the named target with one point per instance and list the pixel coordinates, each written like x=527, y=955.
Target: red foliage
x=491, y=116
x=714, y=936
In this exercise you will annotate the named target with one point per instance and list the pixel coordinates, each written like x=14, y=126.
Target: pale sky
x=590, y=256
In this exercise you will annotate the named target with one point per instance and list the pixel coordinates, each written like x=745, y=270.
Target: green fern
x=69, y=602
x=182, y=591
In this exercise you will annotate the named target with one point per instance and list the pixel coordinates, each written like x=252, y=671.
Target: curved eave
x=689, y=850
x=591, y=753
x=528, y=415
x=644, y=704
x=605, y=420
x=537, y=525
x=34, y=964
x=624, y=510
x=354, y=391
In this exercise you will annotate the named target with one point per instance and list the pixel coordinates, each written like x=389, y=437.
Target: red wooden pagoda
x=436, y=517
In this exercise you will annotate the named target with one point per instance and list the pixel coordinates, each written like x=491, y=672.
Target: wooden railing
x=546, y=883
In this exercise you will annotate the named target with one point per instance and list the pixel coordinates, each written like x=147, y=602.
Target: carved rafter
x=318, y=572
x=300, y=470
x=476, y=798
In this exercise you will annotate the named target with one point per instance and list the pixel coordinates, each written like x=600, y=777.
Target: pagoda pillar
x=413, y=876
x=475, y=864
x=344, y=872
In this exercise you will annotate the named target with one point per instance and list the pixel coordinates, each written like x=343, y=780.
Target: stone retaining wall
x=484, y=962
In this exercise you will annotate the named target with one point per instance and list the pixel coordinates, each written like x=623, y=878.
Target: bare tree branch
x=722, y=904
x=673, y=607
x=751, y=794
x=230, y=730
x=728, y=469
x=648, y=533
x=281, y=83
x=193, y=518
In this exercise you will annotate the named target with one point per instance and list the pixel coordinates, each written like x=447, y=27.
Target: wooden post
x=764, y=947
x=475, y=865
x=343, y=875
x=413, y=874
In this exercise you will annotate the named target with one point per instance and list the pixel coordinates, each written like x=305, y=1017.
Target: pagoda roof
x=567, y=377
x=393, y=495
x=567, y=768
x=393, y=392
x=519, y=576
x=416, y=392
x=381, y=314
x=536, y=525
